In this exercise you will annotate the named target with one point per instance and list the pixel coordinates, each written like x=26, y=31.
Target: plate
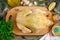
x=13, y=12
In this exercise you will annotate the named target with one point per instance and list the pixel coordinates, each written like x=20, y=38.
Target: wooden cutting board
x=13, y=12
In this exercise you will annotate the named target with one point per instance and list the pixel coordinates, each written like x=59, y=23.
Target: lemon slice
x=52, y=6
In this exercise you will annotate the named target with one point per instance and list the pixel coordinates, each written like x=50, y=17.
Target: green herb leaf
x=5, y=29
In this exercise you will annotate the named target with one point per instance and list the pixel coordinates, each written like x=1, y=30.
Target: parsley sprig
x=5, y=29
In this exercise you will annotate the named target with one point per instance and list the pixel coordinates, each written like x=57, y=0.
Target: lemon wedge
x=52, y=6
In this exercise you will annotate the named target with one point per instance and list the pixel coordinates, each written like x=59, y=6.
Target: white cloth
x=48, y=36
